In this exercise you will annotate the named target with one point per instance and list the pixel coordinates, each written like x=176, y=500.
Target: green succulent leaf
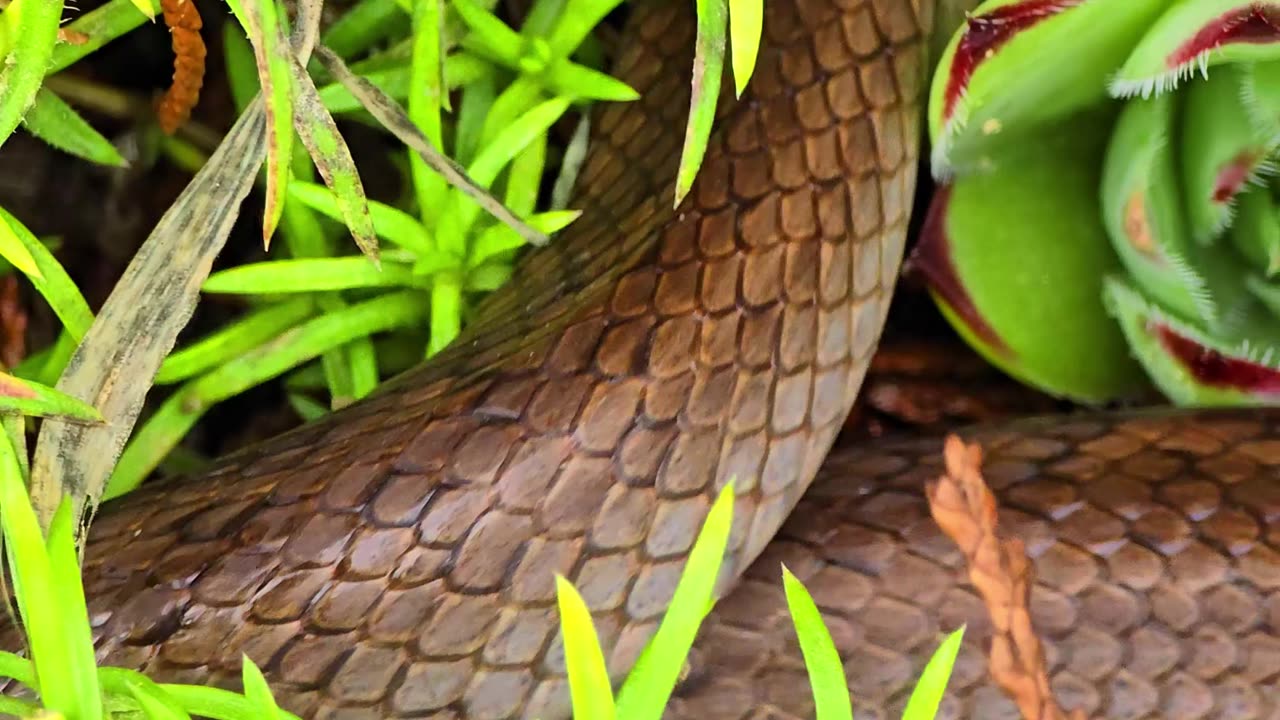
x=1221, y=155
x=1016, y=65
x=1196, y=35
x=1020, y=279
x=1255, y=232
x=1260, y=92
x=1192, y=367
x=1144, y=215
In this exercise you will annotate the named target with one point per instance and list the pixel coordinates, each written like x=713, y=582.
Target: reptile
x=395, y=559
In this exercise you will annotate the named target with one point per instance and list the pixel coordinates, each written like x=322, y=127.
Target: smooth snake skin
x=395, y=560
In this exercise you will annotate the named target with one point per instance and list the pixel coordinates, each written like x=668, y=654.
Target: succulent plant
x=1134, y=181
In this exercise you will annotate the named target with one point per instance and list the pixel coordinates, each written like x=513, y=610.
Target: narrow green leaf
x=708, y=67
x=575, y=22
x=218, y=704
x=426, y=96
x=177, y=414
x=746, y=19
x=333, y=159
x=389, y=223
x=22, y=73
x=589, y=685
x=242, y=67
x=13, y=250
x=927, y=695
x=446, y=311
x=477, y=101
x=362, y=26
x=645, y=692
x=100, y=25
x=489, y=277
x=273, y=54
x=498, y=238
x=51, y=280
x=155, y=707
x=491, y=160
x=307, y=408
x=17, y=668
x=33, y=585
x=256, y=690
x=30, y=398
x=234, y=339
x=145, y=7
x=489, y=35
x=580, y=82
x=309, y=275
x=54, y=121
x=64, y=566
x=821, y=658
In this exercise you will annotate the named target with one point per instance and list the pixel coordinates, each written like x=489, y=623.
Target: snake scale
x=395, y=560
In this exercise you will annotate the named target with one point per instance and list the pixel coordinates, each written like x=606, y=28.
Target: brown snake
x=396, y=559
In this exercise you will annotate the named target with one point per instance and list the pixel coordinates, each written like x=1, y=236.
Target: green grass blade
x=746, y=20
x=52, y=281
x=389, y=223
x=217, y=704
x=426, y=97
x=308, y=275
x=100, y=25
x=35, y=399
x=576, y=22
x=308, y=408
x=489, y=35
x=23, y=69
x=646, y=690
x=927, y=695
x=235, y=339
x=54, y=121
x=64, y=565
x=365, y=24
x=708, y=68
x=583, y=83
x=14, y=251
x=177, y=414
x=456, y=224
x=497, y=239
x=272, y=54
x=524, y=180
x=333, y=159
x=446, y=311
x=10, y=706
x=477, y=101
x=242, y=66
x=16, y=667
x=589, y=685
x=38, y=598
x=154, y=705
x=398, y=123
x=826, y=673
x=257, y=692
x=488, y=278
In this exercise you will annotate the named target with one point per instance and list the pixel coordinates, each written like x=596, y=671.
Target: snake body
x=396, y=559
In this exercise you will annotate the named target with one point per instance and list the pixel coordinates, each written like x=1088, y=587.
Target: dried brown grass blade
x=965, y=509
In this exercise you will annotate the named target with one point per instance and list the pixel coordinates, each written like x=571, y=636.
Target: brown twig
x=965, y=509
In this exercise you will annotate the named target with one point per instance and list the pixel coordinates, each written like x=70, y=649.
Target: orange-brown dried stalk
x=184, y=24
x=965, y=509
